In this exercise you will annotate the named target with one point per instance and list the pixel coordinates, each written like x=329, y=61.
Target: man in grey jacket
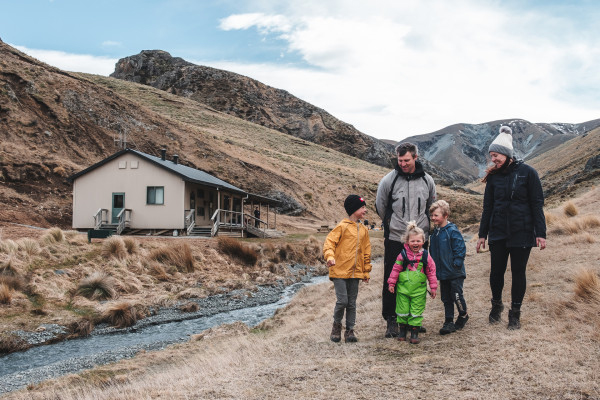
x=405, y=194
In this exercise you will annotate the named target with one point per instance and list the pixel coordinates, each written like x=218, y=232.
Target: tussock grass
x=29, y=246
x=587, y=285
x=8, y=246
x=98, y=286
x=13, y=282
x=189, y=307
x=12, y=343
x=115, y=247
x=8, y=268
x=5, y=294
x=572, y=225
x=121, y=315
x=158, y=271
x=237, y=250
x=53, y=235
x=178, y=255
x=570, y=209
x=131, y=245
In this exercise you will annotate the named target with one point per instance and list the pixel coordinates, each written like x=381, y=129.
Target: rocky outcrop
x=251, y=100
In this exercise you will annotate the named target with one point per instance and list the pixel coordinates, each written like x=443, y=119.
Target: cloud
x=111, y=43
x=72, y=62
x=423, y=67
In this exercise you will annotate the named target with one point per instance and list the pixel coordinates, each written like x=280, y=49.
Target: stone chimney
x=163, y=154
x=175, y=158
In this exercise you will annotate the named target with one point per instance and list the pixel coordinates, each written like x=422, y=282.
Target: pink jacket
x=429, y=271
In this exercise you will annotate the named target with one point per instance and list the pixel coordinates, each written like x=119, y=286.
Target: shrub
x=587, y=285
x=5, y=294
x=114, y=246
x=120, y=315
x=235, y=249
x=570, y=209
x=179, y=256
x=131, y=245
x=53, y=235
x=98, y=286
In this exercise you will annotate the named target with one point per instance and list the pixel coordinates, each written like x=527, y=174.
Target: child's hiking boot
x=392, y=327
x=402, y=330
x=350, y=336
x=514, y=319
x=336, y=332
x=495, y=313
x=414, y=335
x=448, y=327
x=461, y=321
x=422, y=329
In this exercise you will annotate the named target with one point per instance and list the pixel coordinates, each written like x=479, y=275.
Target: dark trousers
x=388, y=300
x=451, y=291
x=519, y=256
x=346, y=292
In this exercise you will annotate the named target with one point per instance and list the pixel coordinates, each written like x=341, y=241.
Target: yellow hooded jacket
x=349, y=244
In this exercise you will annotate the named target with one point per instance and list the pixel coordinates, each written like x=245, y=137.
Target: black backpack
x=406, y=261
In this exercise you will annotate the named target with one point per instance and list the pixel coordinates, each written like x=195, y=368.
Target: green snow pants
x=411, y=295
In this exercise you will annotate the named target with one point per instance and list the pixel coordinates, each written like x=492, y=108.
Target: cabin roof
x=186, y=173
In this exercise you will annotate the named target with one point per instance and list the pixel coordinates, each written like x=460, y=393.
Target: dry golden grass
x=178, y=255
x=12, y=282
x=120, y=315
x=236, y=249
x=12, y=343
x=8, y=246
x=98, y=286
x=53, y=235
x=563, y=225
x=587, y=285
x=570, y=209
x=29, y=246
x=5, y=293
x=83, y=327
x=114, y=246
x=131, y=245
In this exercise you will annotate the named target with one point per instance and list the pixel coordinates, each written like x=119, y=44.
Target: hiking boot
x=448, y=327
x=349, y=336
x=336, y=332
x=392, y=327
x=495, y=313
x=514, y=318
x=402, y=332
x=422, y=329
x=461, y=321
x=414, y=335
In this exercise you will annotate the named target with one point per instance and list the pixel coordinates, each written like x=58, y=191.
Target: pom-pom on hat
x=503, y=142
x=353, y=203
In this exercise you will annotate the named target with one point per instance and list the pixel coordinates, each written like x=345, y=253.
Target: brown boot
x=336, y=332
x=349, y=336
x=414, y=335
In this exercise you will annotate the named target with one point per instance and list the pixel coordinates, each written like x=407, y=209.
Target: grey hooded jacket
x=412, y=196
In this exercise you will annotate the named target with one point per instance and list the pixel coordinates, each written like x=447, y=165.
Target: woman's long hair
x=493, y=169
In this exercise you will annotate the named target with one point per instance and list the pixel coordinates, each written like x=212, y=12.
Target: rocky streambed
x=166, y=326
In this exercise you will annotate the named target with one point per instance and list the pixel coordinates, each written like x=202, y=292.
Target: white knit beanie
x=503, y=142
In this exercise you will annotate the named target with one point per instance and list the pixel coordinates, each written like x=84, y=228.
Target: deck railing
x=101, y=217
x=124, y=218
x=190, y=220
x=226, y=219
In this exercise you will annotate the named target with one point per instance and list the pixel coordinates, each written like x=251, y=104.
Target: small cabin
x=137, y=193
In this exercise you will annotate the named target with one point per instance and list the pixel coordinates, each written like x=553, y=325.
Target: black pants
x=388, y=300
x=451, y=291
x=518, y=263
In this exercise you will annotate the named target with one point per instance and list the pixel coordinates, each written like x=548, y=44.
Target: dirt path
x=555, y=354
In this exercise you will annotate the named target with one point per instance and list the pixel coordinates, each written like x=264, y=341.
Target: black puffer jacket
x=513, y=207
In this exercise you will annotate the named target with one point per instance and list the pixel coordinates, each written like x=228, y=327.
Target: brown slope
x=251, y=100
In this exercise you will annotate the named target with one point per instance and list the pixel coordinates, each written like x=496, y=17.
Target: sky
x=391, y=68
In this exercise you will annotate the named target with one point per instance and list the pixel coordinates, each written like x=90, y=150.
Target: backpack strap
x=406, y=261
x=388, y=209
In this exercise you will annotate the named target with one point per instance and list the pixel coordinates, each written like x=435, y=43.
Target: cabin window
x=155, y=195
x=200, y=193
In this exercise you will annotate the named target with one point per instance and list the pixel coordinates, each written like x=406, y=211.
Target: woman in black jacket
x=512, y=221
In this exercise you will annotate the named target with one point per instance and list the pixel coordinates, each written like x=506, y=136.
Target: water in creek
x=44, y=362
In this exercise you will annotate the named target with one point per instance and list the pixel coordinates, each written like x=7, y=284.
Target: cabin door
x=118, y=203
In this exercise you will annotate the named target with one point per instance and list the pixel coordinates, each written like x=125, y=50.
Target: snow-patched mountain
x=463, y=148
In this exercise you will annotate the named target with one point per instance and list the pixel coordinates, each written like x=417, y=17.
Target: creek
x=40, y=363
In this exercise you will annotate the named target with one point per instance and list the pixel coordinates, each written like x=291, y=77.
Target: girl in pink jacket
x=408, y=279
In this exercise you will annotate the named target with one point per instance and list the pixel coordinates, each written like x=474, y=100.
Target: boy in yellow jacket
x=347, y=250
